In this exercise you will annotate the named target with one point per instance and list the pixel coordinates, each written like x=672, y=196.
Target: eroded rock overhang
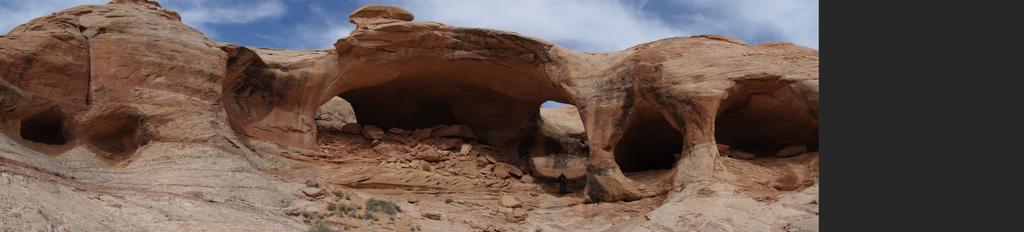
x=397, y=72
x=401, y=73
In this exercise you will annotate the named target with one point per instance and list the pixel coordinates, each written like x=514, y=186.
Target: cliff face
x=123, y=108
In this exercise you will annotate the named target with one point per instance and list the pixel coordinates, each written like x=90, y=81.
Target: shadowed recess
x=413, y=103
x=761, y=119
x=47, y=127
x=648, y=143
x=116, y=135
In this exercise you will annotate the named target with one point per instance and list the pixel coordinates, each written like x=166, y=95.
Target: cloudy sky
x=589, y=25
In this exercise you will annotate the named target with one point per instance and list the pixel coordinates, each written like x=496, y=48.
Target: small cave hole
x=116, y=135
x=47, y=127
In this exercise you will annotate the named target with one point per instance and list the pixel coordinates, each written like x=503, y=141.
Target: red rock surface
x=122, y=111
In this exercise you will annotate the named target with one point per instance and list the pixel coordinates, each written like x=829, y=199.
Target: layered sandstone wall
x=113, y=83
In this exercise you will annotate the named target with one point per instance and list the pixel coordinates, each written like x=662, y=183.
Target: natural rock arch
x=559, y=145
x=149, y=95
x=399, y=73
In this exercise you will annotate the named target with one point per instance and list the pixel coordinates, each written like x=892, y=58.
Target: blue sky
x=585, y=25
x=588, y=25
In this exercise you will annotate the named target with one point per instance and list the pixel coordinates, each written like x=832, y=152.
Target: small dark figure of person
x=561, y=184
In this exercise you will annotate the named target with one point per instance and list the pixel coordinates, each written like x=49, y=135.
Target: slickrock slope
x=119, y=117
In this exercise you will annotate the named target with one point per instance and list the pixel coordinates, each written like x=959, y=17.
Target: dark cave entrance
x=648, y=143
x=762, y=120
x=496, y=118
x=47, y=127
x=401, y=112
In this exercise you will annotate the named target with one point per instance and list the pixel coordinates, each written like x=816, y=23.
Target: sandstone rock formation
x=672, y=91
x=116, y=108
x=334, y=115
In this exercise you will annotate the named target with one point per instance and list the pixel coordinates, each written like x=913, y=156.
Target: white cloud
x=790, y=20
x=592, y=25
x=603, y=25
x=202, y=14
x=196, y=13
x=20, y=12
x=587, y=25
x=320, y=36
x=199, y=12
x=323, y=32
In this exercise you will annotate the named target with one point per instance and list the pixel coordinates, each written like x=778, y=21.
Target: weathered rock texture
x=123, y=107
x=638, y=106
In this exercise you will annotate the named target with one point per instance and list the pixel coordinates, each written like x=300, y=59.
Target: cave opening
x=117, y=140
x=332, y=117
x=496, y=118
x=116, y=135
x=47, y=127
x=762, y=121
x=562, y=129
x=559, y=147
x=648, y=143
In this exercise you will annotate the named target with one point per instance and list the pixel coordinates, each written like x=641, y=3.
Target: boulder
x=424, y=165
x=300, y=207
x=458, y=131
x=336, y=110
x=430, y=155
x=351, y=128
x=379, y=14
x=504, y=170
x=465, y=149
x=432, y=215
x=423, y=133
x=372, y=132
x=313, y=192
x=450, y=143
x=741, y=155
x=791, y=151
x=510, y=202
x=398, y=131
x=527, y=179
x=517, y=215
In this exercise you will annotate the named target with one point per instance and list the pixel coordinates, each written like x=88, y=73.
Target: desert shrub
x=347, y=209
x=312, y=184
x=382, y=206
x=448, y=201
x=367, y=215
x=339, y=194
